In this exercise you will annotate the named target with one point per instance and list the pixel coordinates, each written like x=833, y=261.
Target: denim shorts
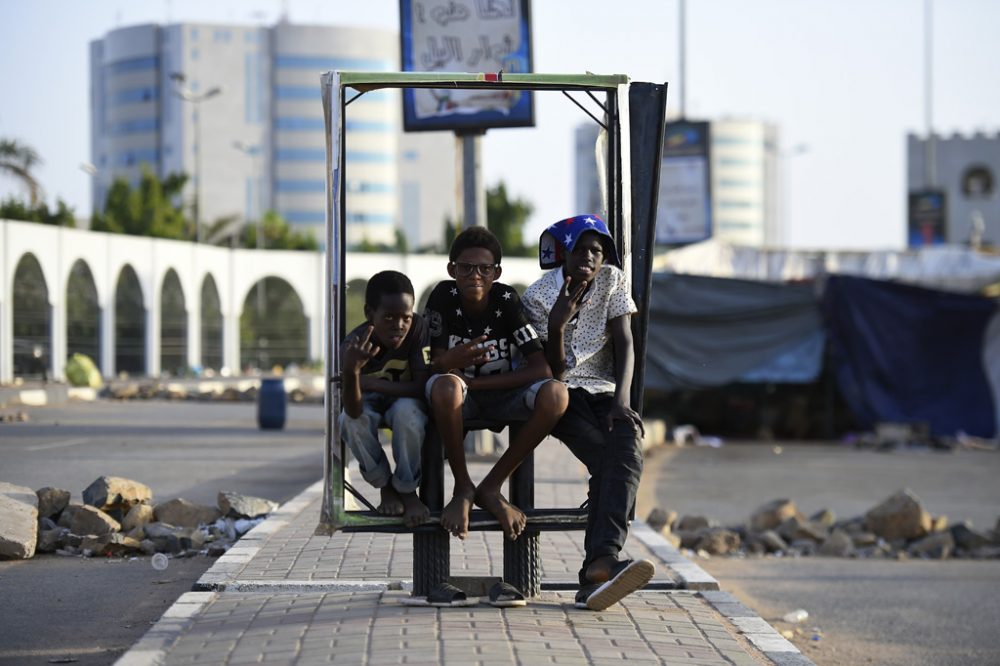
x=504, y=405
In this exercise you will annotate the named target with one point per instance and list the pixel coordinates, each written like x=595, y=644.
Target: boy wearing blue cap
x=581, y=310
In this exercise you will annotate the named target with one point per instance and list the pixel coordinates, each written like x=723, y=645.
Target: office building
x=238, y=108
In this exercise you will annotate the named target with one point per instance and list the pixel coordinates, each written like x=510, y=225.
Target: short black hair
x=476, y=237
x=386, y=282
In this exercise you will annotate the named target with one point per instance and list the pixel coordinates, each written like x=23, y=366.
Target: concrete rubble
x=18, y=522
x=300, y=389
x=119, y=518
x=898, y=527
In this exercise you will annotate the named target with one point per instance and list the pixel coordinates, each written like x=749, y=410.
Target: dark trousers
x=614, y=460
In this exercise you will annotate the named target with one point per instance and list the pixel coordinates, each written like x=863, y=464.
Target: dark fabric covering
x=707, y=331
x=908, y=354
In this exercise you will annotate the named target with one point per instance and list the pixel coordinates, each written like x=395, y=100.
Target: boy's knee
x=409, y=414
x=552, y=398
x=447, y=391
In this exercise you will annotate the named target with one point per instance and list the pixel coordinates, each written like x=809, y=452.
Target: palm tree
x=18, y=160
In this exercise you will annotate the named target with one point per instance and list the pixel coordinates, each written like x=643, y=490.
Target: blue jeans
x=407, y=418
x=614, y=460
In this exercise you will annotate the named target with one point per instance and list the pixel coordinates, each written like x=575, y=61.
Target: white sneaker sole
x=631, y=578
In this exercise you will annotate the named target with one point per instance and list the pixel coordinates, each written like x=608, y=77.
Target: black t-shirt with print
x=504, y=324
x=398, y=365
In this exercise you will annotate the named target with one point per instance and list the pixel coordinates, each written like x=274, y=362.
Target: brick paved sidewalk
x=283, y=595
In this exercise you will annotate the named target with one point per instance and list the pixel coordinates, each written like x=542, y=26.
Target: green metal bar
x=371, y=80
x=541, y=519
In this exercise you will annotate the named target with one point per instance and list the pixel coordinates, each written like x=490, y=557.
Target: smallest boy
x=385, y=367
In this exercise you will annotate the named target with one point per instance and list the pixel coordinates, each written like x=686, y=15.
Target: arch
x=83, y=313
x=273, y=326
x=173, y=326
x=32, y=319
x=211, y=325
x=354, y=303
x=130, y=323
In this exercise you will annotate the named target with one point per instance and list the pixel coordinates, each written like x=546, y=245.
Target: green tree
x=278, y=235
x=506, y=218
x=400, y=245
x=18, y=160
x=147, y=210
x=14, y=209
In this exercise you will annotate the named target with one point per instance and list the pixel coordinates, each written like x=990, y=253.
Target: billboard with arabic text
x=487, y=36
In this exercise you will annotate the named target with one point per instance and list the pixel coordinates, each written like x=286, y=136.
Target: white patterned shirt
x=590, y=349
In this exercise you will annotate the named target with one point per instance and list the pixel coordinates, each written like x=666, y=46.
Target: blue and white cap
x=558, y=240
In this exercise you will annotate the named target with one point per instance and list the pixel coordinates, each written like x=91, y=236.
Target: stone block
x=18, y=521
x=51, y=502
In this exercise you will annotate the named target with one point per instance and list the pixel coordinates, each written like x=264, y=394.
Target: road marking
x=59, y=445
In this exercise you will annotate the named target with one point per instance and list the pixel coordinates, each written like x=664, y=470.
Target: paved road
x=93, y=610
x=867, y=611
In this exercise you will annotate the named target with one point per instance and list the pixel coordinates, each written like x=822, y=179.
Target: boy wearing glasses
x=581, y=310
x=489, y=365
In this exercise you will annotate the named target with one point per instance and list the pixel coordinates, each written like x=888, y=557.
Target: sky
x=843, y=80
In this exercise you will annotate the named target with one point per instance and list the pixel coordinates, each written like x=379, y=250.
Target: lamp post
x=188, y=95
x=254, y=153
x=779, y=220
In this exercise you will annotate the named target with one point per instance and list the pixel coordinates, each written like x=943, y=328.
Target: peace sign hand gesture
x=568, y=303
x=359, y=351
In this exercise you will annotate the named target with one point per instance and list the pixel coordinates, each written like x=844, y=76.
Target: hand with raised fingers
x=568, y=302
x=359, y=351
x=461, y=356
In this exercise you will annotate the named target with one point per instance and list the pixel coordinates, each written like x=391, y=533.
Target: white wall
x=235, y=272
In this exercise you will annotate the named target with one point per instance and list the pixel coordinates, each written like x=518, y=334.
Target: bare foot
x=599, y=571
x=415, y=511
x=455, y=516
x=512, y=520
x=392, y=503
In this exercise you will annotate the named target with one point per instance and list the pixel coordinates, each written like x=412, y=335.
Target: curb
x=53, y=394
x=152, y=647
x=690, y=575
x=757, y=630
x=220, y=575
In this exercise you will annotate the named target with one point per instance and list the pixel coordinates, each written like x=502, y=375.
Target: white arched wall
x=234, y=272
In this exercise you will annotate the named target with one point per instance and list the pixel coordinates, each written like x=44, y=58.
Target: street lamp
x=188, y=95
x=779, y=220
x=254, y=153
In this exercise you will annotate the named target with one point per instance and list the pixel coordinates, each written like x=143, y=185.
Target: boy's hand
x=359, y=351
x=464, y=355
x=620, y=412
x=568, y=303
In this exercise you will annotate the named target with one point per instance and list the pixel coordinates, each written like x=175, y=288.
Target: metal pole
x=197, y=169
x=929, y=147
x=682, y=48
x=473, y=194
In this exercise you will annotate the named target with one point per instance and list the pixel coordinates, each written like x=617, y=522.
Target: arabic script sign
x=488, y=36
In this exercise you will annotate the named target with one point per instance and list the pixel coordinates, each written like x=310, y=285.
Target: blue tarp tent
x=909, y=354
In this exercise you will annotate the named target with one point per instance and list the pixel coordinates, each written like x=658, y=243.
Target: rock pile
x=899, y=527
x=245, y=391
x=118, y=517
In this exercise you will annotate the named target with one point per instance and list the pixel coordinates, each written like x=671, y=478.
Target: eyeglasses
x=463, y=269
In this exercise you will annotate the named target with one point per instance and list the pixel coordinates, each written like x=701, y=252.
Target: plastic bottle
x=796, y=616
x=159, y=561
